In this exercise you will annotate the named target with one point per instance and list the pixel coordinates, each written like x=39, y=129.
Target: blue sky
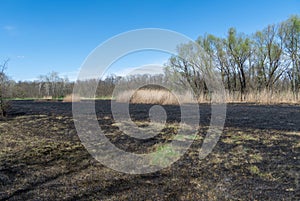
x=41, y=36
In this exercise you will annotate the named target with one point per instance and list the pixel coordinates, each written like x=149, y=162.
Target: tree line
x=54, y=86
x=268, y=60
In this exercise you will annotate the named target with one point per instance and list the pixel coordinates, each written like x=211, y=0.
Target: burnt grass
x=256, y=158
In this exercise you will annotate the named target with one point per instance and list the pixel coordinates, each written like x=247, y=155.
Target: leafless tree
x=4, y=87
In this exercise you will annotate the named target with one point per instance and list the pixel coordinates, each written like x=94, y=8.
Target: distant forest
x=265, y=62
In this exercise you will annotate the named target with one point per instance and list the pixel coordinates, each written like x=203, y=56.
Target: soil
x=256, y=158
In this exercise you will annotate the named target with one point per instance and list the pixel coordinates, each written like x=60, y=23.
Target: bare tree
x=4, y=85
x=239, y=49
x=269, y=60
x=289, y=32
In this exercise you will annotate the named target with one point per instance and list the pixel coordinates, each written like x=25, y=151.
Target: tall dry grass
x=71, y=98
x=264, y=97
x=164, y=97
x=153, y=96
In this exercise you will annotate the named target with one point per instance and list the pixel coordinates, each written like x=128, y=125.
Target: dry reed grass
x=164, y=97
x=47, y=98
x=264, y=97
x=153, y=96
x=71, y=98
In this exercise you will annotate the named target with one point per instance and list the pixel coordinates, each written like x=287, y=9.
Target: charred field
x=256, y=158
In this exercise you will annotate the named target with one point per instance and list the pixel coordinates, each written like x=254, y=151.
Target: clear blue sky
x=41, y=36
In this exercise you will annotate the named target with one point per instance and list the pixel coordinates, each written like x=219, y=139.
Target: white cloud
x=20, y=57
x=9, y=28
x=151, y=69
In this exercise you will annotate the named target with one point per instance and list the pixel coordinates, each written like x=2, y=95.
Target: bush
x=4, y=107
